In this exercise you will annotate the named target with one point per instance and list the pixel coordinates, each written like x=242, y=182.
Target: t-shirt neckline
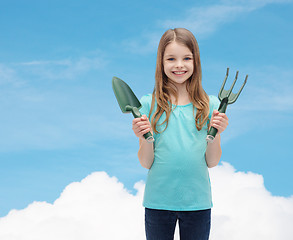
x=185, y=105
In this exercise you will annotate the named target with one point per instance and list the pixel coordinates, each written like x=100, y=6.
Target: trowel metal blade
x=124, y=95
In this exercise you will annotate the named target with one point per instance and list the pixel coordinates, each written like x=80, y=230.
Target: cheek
x=166, y=67
x=191, y=72
x=191, y=67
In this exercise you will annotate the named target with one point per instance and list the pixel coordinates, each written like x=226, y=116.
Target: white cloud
x=66, y=118
x=99, y=207
x=8, y=77
x=269, y=86
x=64, y=62
x=265, y=100
x=244, y=209
x=5, y=73
x=62, y=68
x=202, y=21
x=253, y=4
x=148, y=42
x=37, y=113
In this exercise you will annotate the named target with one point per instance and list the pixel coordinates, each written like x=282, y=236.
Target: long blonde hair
x=164, y=89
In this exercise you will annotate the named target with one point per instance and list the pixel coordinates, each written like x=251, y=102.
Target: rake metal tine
x=220, y=95
x=234, y=97
x=233, y=84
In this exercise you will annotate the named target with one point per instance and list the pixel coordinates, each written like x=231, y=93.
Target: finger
x=141, y=133
x=223, y=115
x=219, y=128
x=222, y=118
x=220, y=125
x=219, y=120
x=223, y=124
x=140, y=128
x=140, y=120
x=215, y=113
x=136, y=120
x=144, y=118
x=145, y=131
x=141, y=125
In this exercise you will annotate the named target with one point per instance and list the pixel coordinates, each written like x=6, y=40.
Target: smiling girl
x=180, y=112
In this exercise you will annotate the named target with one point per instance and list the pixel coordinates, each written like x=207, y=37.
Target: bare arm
x=214, y=151
x=145, y=154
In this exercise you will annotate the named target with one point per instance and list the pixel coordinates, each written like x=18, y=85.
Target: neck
x=183, y=96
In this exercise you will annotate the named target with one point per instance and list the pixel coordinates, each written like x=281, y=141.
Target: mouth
x=179, y=72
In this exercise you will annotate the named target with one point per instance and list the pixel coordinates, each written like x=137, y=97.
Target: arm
x=214, y=151
x=145, y=154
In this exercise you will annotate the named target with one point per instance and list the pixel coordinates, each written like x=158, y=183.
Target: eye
x=187, y=58
x=170, y=59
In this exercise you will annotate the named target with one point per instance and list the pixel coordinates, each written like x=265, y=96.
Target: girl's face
x=178, y=63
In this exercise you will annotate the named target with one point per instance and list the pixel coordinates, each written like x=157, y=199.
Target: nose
x=179, y=64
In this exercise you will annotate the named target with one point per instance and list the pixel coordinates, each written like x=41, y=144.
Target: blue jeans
x=193, y=225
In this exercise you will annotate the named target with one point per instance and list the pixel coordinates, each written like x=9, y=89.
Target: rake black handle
x=213, y=131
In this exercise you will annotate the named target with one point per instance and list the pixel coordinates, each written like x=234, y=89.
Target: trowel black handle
x=213, y=131
x=136, y=113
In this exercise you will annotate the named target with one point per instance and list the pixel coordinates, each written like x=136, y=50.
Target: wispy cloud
x=202, y=21
x=265, y=101
x=269, y=89
x=56, y=63
x=5, y=73
x=60, y=118
x=9, y=77
x=37, y=113
x=89, y=209
x=146, y=43
x=62, y=68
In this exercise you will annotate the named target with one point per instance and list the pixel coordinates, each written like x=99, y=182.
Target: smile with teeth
x=179, y=72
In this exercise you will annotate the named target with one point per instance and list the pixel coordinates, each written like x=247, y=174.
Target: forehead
x=175, y=48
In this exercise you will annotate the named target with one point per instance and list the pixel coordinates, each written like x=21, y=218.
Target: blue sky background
x=59, y=118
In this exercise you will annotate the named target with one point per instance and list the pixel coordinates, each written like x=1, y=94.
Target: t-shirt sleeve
x=214, y=104
x=146, y=102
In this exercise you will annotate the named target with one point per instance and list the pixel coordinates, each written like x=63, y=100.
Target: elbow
x=145, y=163
x=211, y=165
x=213, y=162
x=146, y=166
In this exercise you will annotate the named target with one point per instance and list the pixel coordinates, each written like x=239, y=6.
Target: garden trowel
x=128, y=102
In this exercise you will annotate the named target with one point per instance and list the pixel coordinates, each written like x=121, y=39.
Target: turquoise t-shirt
x=178, y=179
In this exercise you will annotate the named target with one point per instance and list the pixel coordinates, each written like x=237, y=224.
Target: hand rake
x=226, y=97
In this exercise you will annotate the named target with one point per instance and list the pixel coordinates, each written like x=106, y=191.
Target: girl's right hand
x=141, y=126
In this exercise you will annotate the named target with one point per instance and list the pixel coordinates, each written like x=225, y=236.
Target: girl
x=178, y=184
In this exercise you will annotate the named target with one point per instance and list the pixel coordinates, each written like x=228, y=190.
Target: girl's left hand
x=219, y=121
